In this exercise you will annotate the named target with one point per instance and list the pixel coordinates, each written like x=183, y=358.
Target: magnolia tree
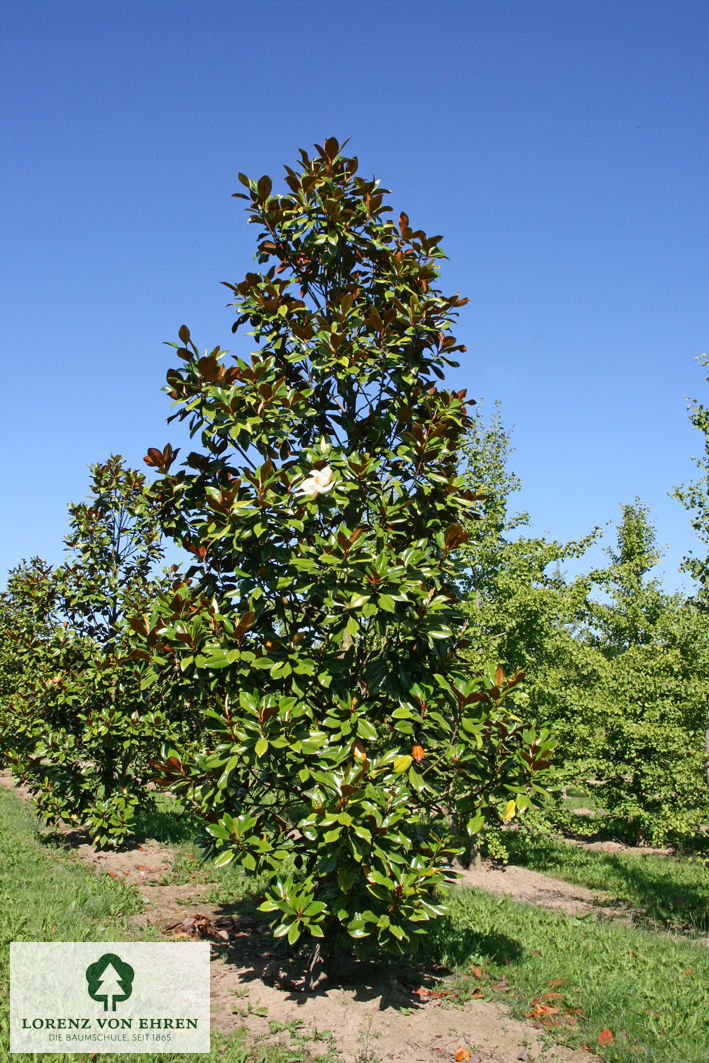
x=27, y=622
x=348, y=754
x=78, y=728
x=695, y=498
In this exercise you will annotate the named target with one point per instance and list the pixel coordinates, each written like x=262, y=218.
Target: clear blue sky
x=559, y=145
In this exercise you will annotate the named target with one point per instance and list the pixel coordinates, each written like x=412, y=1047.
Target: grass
x=46, y=894
x=166, y=822
x=231, y=884
x=649, y=990
x=669, y=892
x=580, y=797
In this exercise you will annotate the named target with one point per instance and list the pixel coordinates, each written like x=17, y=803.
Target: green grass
x=580, y=797
x=636, y=983
x=46, y=894
x=669, y=892
x=166, y=822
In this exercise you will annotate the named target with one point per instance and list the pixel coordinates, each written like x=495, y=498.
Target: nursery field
x=569, y=953
x=425, y=795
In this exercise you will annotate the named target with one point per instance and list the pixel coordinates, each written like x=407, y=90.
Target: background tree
x=27, y=622
x=695, y=498
x=614, y=665
x=647, y=699
x=320, y=637
x=80, y=730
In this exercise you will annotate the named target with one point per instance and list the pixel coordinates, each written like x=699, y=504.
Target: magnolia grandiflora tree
x=78, y=729
x=318, y=633
x=27, y=621
x=695, y=498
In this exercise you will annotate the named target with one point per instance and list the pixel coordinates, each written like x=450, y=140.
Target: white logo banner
x=111, y=996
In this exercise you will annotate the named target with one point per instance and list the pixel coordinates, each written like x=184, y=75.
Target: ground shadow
x=241, y=937
x=448, y=941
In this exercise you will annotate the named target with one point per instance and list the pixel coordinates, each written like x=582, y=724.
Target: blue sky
x=560, y=147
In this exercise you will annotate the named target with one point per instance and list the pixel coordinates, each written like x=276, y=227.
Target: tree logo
x=109, y=980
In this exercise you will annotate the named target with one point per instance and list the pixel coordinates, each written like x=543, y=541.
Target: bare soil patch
x=383, y=1016
x=533, y=887
x=617, y=847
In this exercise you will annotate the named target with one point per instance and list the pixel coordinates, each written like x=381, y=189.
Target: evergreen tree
x=318, y=635
x=695, y=498
x=79, y=728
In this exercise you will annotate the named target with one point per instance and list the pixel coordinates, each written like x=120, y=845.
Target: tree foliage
x=618, y=668
x=695, y=498
x=26, y=622
x=319, y=632
x=78, y=727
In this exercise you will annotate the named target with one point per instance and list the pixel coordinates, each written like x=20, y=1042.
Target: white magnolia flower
x=318, y=483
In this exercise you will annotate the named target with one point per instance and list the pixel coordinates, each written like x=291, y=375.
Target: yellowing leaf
x=402, y=763
x=510, y=811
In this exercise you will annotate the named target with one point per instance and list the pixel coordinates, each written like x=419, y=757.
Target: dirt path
x=374, y=1014
x=533, y=887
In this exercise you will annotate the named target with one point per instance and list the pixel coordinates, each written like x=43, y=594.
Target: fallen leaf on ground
x=605, y=1037
x=461, y=1054
x=543, y=1012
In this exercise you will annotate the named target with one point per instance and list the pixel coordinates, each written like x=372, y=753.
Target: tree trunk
x=323, y=959
x=315, y=968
